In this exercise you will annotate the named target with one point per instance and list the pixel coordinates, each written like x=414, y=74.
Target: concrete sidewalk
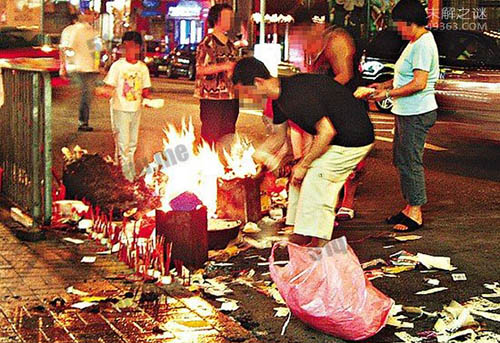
x=33, y=282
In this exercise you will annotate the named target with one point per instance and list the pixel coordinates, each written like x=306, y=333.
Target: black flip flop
x=396, y=219
x=410, y=224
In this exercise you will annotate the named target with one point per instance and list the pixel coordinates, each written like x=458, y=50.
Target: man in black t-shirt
x=343, y=136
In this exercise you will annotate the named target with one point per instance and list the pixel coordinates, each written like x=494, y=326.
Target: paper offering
x=153, y=103
x=362, y=92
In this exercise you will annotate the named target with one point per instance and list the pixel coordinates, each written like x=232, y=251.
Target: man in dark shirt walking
x=343, y=136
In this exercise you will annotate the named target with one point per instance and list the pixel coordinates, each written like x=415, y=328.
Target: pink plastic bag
x=327, y=289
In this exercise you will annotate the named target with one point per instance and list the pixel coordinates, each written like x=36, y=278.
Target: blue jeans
x=86, y=82
x=408, y=151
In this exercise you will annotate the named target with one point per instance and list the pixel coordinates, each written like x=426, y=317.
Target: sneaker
x=85, y=128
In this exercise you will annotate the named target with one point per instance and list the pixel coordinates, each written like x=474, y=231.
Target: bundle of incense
x=160, y=248
x=169, y=257
x=147, y=259
x=180, y=271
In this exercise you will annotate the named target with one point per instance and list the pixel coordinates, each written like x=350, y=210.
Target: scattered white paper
x=281, y=311
x=73, y=240
x=393, y=321
x=276, y=213
x=115, y=248
x=406, y=238
x=488, y=315
x=106, y=252
x=459, y=277
x=388, y=246
x=251, y=227
x=432, y=290
x=433, y=282
x=453, y=318
x=85, y=224
x=72, y=290
x=373, y=263
x=283, y=330
x=229, y=306
x=439, y=262
x=481, y=304
x=83, y=304
x=222, y=264
x=495, y=287
x=277, y=263
x=445, y=337
x=88, y=259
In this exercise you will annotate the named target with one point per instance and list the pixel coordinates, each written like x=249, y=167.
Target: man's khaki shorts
x=311, y=209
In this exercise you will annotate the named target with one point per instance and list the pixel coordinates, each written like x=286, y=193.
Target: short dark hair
x=214, y=13
x=247, y=69
x=410, y=11
x=133, y=36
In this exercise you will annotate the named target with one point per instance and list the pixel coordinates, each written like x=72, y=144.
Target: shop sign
x=185, y=9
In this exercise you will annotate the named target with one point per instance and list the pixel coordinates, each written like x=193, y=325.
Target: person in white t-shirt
x=127, y=83
x=80, y=53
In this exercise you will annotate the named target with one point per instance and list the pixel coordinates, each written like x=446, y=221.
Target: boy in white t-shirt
x=127, y=84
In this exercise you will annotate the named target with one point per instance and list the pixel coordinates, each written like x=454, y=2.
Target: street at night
x=461, y=222
x=254, y=171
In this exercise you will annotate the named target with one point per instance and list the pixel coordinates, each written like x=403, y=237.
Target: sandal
x=410, y=224
x=396, y=219
x=344, y=214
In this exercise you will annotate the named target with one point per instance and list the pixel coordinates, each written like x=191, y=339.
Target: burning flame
x=183, y=166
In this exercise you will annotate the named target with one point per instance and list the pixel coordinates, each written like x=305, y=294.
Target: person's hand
x=298, y=174
x=379, y=95
x=103, y=92
x=377, y=86
x=63, y=73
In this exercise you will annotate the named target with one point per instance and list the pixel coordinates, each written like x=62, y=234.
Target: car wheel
x=385, y=105
x=191, y=73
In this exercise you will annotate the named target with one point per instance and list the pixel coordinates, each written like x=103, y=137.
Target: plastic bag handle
x=271, y=258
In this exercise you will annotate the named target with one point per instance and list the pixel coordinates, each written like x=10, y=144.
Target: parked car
x=179, y=62
x=470, y=69
x=154, y=50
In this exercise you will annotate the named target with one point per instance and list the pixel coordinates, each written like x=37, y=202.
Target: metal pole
x=262, y=38
x=42, y=15
x=35, y=152
x=287, y=42
x=47, y=149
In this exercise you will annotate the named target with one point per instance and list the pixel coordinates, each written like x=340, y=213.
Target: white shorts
x=311, y=208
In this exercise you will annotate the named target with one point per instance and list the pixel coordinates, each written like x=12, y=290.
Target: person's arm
x=62, y=62
x=64, y=47
x=339, y=52
x=205, y=62
x=105, y=91
x=417, y=84
x=215, y=68
x=421, y=59
x=265, y=153
x=146, y=93
x=110, y=83
x=382, y=85
x=324, y=135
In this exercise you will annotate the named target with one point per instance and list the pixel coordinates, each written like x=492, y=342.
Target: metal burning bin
x=192, y=235
x=188, y=232
x=239, y=199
